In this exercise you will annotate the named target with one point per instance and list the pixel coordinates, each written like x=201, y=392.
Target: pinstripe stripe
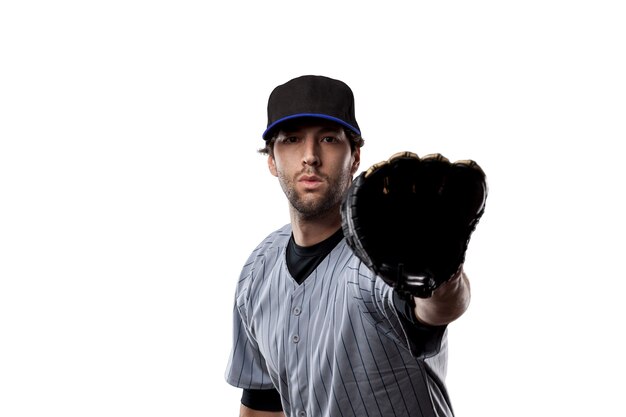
x=378, y=370
x=395, y=378
x=353, y=357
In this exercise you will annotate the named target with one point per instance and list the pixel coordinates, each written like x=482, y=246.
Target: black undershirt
x=301, y=262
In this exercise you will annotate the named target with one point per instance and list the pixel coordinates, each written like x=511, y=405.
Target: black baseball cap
x=311, y=96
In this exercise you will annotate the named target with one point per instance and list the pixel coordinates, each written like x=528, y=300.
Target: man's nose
x=311, y=152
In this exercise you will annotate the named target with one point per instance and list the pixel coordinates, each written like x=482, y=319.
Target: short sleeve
x=246, y=366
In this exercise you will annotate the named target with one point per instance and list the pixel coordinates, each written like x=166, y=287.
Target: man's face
x=314, y=166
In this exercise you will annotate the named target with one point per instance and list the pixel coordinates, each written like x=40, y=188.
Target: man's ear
x=271, y=164
x=357, y=160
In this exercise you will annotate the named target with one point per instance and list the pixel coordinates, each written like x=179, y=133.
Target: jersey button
x=297, y=311
x=295, y=338
x=302, y=413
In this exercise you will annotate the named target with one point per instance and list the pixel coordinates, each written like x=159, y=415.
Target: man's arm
x=249, y=412
x=447, y=303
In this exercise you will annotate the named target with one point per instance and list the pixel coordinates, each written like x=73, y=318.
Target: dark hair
x=356, y=141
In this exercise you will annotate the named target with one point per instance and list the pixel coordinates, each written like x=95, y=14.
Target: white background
x=131, y=192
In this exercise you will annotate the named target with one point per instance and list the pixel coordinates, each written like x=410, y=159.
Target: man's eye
x=329, y=139
x=290, y=139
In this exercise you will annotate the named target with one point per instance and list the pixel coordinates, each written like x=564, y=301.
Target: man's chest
x=295, y=324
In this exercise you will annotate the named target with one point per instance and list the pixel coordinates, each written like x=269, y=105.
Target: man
x=316, y=332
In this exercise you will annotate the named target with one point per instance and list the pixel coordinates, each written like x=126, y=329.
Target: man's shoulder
x=268, y=250
x=278, y=239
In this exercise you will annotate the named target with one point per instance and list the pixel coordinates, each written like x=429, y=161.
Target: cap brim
x=316, y=115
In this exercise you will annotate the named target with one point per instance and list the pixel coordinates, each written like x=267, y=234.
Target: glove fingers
x=407, y=194
x=404, y=196
x=386, y=206
x=457, y=197
x=466, y=192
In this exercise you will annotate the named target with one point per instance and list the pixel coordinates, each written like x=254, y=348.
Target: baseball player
x=344, y=310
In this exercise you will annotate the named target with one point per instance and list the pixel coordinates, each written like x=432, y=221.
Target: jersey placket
x=296, y=353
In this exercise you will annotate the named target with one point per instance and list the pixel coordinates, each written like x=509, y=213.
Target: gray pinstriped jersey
x=332, y=346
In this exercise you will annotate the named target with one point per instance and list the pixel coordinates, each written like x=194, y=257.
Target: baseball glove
x=410, y=219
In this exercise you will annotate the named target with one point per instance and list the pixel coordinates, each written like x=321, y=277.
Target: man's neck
x=308, y=232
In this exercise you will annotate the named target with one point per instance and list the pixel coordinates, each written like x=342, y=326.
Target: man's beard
x=317, y=208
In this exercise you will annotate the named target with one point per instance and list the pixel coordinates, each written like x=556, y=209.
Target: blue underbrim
x=320, y=116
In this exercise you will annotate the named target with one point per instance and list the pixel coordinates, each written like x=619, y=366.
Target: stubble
x=311, y=204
